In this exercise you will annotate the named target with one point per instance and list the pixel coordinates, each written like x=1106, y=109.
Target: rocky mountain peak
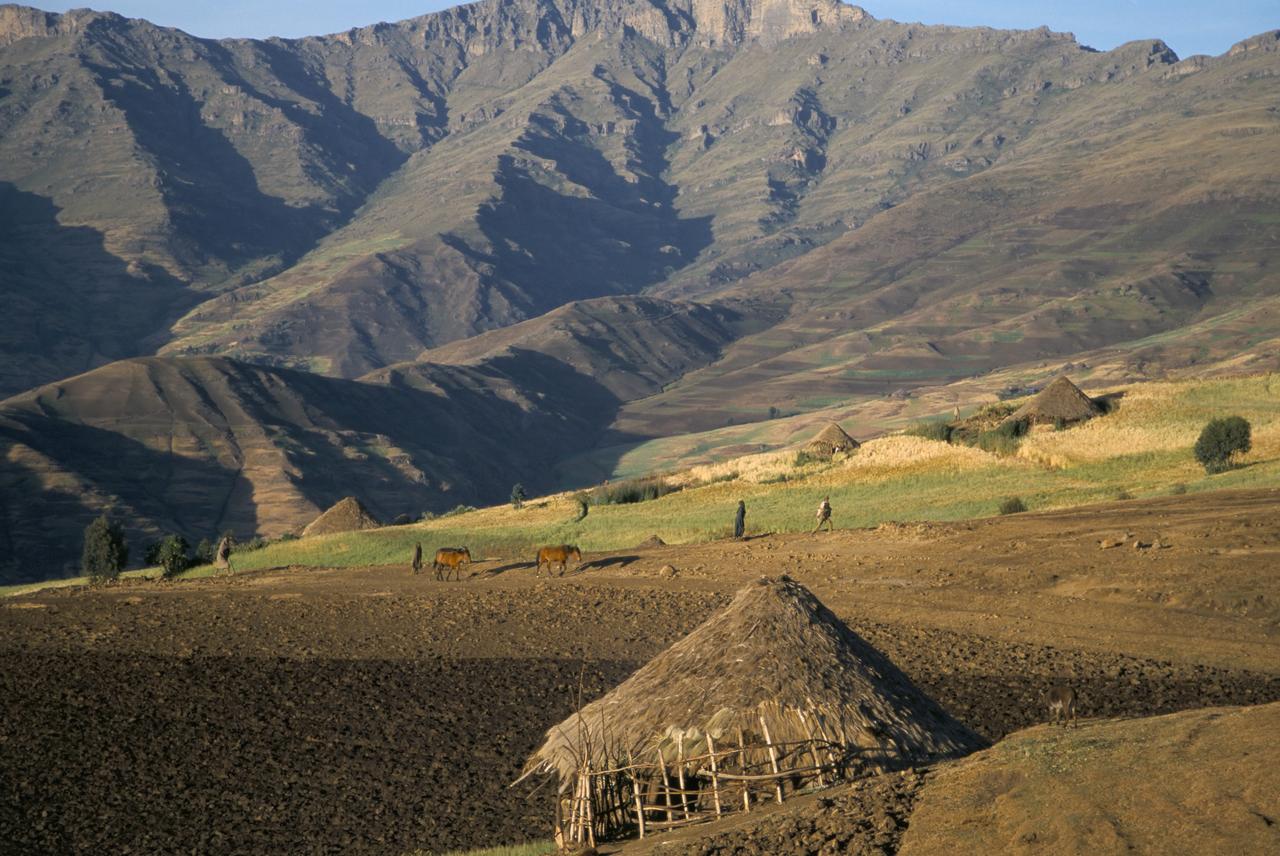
x=23, y=22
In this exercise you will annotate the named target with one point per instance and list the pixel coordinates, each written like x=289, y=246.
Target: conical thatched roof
x=347, y=515
x=1061, y=399
x=830, y=440
x=775, y=652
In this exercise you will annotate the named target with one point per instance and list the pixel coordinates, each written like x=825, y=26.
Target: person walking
x=417, y=558
x=824, y=515
x=740, y=520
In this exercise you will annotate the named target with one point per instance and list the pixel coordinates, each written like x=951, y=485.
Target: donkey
x=451, y=559
x=1061, y=701
x=558, y=555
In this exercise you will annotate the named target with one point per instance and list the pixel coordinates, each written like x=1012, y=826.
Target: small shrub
x=105, y=553
x=518, y=496
x=1012, y=505
x=1123, y=494
x=804, y=458
x=1059, y=424
x=583, y=504
x=1221, y=440
x=933, y=429
x=203, y=554
x=288, y=536
x=172, y=555
x=774, y=413
x=1012, y=428
x=255, y=543
x=632, y=491
x=1178, y=489
x=459, y=509
x=997, y=444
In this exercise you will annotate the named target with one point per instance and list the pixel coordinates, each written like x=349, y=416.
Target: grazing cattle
x=1061, y=701
x=558, y=555
x=450, y=560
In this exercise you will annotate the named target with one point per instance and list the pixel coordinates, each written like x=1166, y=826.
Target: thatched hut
x=830, y=440
x=1061, y=401
x=770, y=695
x=346, y=515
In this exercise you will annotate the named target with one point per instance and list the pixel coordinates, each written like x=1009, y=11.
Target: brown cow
x=558, y=555
x=451, y=559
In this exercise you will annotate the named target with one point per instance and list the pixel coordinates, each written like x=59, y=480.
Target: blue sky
x=1188, y=27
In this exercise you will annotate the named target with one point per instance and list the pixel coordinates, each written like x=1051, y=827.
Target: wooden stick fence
x=646, y=797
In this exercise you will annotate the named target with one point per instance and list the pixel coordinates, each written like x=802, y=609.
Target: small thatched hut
x=830, y=440
x=1061, y=401
x=771, y=694
x=346, y=515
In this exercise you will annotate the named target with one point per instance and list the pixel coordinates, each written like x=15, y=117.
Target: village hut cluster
x=770, y=696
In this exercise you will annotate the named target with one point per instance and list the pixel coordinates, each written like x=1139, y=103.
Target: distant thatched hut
x=771, y=694
x=830, y=440
x=346, y=515
x=1061, y=401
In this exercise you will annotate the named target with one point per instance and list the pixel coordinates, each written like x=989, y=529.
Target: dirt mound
x=651, y=542
x=1205, y=781
x=346, y=515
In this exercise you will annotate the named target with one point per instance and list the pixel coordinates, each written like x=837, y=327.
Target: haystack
x=830, y=440
x=1060, y=400
x=347, y=515
x=770, y=694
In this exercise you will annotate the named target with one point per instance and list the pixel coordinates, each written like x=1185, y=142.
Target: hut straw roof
x=346, y=515
x=1061, y=399
x=833, y=436
x=774, y=652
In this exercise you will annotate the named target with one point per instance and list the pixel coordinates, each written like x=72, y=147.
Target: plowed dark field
x=368, y=711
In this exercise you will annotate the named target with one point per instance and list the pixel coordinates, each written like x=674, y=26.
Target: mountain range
x=419, y=261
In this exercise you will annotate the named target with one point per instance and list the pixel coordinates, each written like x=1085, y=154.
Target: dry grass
x=1164, y=417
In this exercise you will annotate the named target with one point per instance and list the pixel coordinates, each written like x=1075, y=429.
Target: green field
x=1142, y=450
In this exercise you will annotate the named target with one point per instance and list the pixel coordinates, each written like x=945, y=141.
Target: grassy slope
x=1143, y=449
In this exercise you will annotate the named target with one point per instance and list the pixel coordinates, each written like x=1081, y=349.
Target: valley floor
x=366, y=710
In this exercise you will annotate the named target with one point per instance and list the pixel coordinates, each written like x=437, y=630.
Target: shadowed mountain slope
x=202, y=445
x=199, y=446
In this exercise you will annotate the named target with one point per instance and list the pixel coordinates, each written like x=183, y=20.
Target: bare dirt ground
x=371, y=711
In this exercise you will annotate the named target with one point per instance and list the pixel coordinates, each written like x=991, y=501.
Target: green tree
x=518, y=496
x=1222, y=439
x=172, y=555
x=105, y=552
x=204, y=552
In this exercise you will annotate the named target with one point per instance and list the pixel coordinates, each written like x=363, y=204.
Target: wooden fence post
x=635, y=786
x=715, y=773
x=773, y=757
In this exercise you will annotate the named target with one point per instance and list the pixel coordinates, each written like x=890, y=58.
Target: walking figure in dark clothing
x=824, y=515
x=740, y=520
x=417, y=558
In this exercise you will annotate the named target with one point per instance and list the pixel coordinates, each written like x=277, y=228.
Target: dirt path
x=371, y=711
